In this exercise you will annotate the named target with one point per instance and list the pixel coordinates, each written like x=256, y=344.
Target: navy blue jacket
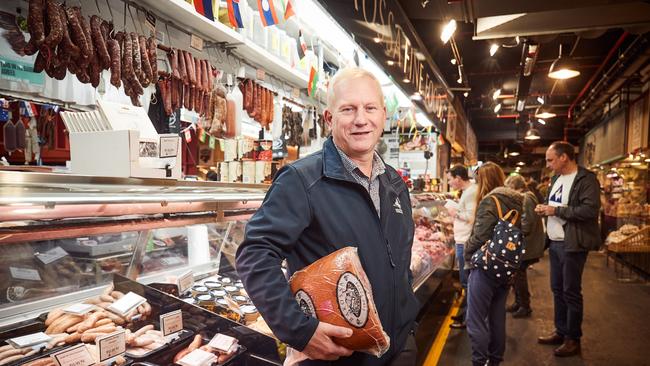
x=314, y=208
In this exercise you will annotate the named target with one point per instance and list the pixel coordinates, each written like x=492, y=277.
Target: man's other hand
x=321, y=345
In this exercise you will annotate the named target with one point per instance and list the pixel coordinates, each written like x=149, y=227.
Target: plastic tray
x=184, y=336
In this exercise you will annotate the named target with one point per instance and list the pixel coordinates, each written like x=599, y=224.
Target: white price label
x=197, y=357
x=185, y=281
x=29, y=340
x=111, y=345
x=261, y=74
x=168, y=147
x=21, y=273
x=228, y=79
x=171, y=322
x=74, y=356
x=78, y=309
x=127, y=303
x=295, y=93
x=196, y=42
x=222, y=342
x=51, y=255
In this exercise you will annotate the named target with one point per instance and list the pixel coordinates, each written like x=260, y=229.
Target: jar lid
x=240, y=298
x=218, y=293
x=222, y=301
x=226, y=280
x=231, y=289
x=248, y=309
x=204, y=297
x=200, y=288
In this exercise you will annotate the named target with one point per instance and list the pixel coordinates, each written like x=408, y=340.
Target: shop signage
x=637, y=129
x=20, y=71
x=74, y=356
x=603, y=143
x=384, y=30
x=185, y=281
x=196, y=42
x=471, y=146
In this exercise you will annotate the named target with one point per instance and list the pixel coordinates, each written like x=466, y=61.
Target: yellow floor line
x=439, y=343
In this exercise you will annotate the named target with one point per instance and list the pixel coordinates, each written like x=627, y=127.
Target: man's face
x=357, y=116
x=554, y=162
x=454, y=182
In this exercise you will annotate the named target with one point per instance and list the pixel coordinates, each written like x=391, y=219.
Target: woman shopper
x=486, y=302
x=533, y=230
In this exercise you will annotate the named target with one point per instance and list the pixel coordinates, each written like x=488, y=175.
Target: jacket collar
x=332, y=163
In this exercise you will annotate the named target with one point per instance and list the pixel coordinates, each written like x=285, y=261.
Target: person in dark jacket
x=533, y=230
x=571, y=209
x=342, y=196
x=486, y=301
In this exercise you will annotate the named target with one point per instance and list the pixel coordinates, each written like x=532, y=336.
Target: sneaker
x=522, y=313
x=512, y=308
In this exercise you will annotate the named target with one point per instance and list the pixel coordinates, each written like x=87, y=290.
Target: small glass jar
x=226, y=280
x=207, y=302
x=213, y=285
x=250, y=313
x=232, y=290
x=218, y=293
x=199, y=290
x=241, y=299
x=239, y=284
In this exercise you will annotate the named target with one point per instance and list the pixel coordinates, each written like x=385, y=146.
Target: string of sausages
x=258, y=102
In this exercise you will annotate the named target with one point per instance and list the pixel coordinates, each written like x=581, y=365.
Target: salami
x=186, y=96
x=144, y=57
x=100, y=44
x=175, y=90
x=76, y=31
x=189, y=64
x=36, y=24
x=86, y=58
x=40, y=63
x=137, y=60
x=248, y=96
x=116, y=63
x=71, y=49
x=263, y=116
x=152, y=55
x=55, y=31
x=173, y=58
x=166, y=93
x=94, y=71
x=198, y=73
x=181, y=68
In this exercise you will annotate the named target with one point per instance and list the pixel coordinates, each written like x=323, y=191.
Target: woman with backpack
x=533, y=230
x=492, y=253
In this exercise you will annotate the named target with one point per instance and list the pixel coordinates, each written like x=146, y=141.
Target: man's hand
x=545, y=210
x=452, y=212
x=322, y=347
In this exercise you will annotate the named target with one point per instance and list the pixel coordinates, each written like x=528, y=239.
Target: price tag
x=127, y=303
x=261, y=74
x=213, y=142
x=29, y=340
x=78, y=309
x=111, y=345
x=185, y=281
x=196, y=42
x=21, y=273
x=171, y=322
x=169, y=146
x=295, y=93
x=51, y=255
x=241, y=72
x=197, y=357
x=222, y=342
x=74, y=356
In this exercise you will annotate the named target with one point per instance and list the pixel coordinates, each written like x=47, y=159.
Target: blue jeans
x=486, y=317
x=462, y=274
x=566, y=284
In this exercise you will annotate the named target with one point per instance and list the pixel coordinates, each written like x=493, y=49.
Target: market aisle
x=616, y=324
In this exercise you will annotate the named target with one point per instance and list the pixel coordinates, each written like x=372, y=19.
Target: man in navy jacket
x=342, y=196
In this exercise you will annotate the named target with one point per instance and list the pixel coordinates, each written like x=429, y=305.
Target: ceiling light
x=493, y=49
x=636, y=163
x=521, y=103
x=521, y=163
x=540, y=100
x=532, y=134
x=406, y=80
x=377, y=39
x=518, y=169
x=647, y=160
x=448, y=31
x=453, y=61
x=496, y=94
x=563, y=68
x=390, y=62
x=514, y=153
x=466, y=94
x=541, y=121
x=416, y=96
x=497, y=108
x=544, y=113
x=460, y=80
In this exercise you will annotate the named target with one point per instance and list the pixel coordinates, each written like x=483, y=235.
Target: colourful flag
x=234, y=14
x=288, y=10
x=313, y=82
x=441, y=140
x=205, y=8
x=267, y=12
x=302, y=45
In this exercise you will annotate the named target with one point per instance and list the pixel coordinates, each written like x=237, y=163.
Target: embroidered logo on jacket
x=398, y=206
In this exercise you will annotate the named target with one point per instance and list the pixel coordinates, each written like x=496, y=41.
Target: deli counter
x=68, y=241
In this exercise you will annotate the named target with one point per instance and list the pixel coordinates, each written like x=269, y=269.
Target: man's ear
x=327, y=115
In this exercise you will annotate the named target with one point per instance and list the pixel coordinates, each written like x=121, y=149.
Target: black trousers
x=566, y=284
x=408, y=355
x=520, y=285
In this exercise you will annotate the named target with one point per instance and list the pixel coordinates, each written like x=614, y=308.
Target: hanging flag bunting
x=302, y=45
x=205, y=8
x=313, y=82
x=288, y=10
x=267, y=12
x=441, y=140
x=188, y=136
x=234, y=15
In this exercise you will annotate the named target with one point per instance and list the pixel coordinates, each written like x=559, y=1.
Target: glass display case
x=64, y=238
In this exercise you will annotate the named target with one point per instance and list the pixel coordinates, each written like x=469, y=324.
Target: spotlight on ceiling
x=460, y=80
x=453, y=61
x=521, y=103
x=541, y=121
x=390, y=62
x=406, y=80
x=493, y=49
x=496, y=94
x=497, y=108
x=448, y=31
x=563, y=67
x=416, y=96
x=466, y=94
x=540, y=100
x=521, y=163
x=544, y=113
x=532, y=134
x=377, y=39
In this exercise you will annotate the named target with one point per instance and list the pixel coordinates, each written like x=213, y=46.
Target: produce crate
x=635, y=243
x=632, y=253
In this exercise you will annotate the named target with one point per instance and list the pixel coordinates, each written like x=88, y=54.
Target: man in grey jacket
x=572, y=208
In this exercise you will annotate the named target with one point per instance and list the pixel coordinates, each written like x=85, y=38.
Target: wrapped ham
x=336, y=290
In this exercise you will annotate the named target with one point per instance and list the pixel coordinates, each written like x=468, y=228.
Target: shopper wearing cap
x=533, y=230
x=572, y=208
x=343, y=195
x=458, y=178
